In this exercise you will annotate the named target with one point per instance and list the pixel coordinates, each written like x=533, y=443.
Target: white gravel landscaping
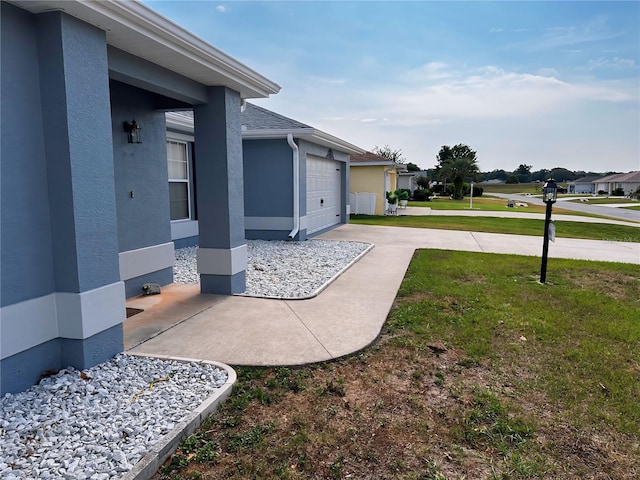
x=281, y=269
x=98, y=423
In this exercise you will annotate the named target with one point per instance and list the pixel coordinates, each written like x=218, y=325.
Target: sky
x=547, y=84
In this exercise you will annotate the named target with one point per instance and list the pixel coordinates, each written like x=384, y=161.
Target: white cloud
x=496, y=30
x=506, y=115
x=221, y=9
x=611, y=63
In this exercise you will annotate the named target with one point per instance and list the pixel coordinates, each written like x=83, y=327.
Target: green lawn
x=519, y=226
x=604, y=201
x=511, y=187
x=480, y=372
x=481, y=203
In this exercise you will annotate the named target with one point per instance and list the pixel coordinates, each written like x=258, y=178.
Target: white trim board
x=222, y=261
x=60, y=315
x=135, y=263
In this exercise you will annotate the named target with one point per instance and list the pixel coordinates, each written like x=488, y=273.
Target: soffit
x=135, y=28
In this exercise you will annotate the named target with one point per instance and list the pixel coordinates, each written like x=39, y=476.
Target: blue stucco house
x=85, y=194
x=296, y=177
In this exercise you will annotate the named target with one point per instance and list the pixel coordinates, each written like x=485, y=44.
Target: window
x=178, y=165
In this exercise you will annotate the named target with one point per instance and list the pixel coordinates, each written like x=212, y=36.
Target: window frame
x=186, y=145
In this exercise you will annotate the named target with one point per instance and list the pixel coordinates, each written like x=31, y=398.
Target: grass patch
x=482, y=204
x=603, y=200
x=519, y=226
x=479, y=372
x=512, y=188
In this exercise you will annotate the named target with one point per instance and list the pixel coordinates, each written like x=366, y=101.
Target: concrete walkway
x=344, y=318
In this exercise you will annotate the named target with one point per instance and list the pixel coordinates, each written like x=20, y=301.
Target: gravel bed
x=282, y=269
x=97, y=423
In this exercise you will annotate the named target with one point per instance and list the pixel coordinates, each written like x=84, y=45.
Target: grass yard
x=520, y=226
x=479, y=373
x=481, y=203
x=604, y=201
x=534, y=188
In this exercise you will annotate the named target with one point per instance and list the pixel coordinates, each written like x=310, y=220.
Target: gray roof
x=258, y=118
x=260, y=123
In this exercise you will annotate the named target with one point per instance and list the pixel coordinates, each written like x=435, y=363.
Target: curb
x=149, y=465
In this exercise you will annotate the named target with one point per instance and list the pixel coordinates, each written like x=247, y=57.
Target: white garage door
x=323, y=193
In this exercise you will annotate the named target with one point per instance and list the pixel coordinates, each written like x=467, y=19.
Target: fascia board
x=372, y=164
x=310, y=134
x=275, y=133
x=335, y=142
x=194, y=54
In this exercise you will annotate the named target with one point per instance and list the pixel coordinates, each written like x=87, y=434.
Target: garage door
x=323, y=193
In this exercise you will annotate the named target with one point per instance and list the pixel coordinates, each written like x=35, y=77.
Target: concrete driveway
x=344, y=318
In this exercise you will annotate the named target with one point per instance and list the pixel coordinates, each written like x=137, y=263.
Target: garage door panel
x=323, y=193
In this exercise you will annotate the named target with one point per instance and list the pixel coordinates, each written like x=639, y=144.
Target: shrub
x=421, y=195
x=601, y=192
x=618, y=192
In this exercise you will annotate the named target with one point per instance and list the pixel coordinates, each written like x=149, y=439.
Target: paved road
x=619, y=213
x=511, y=213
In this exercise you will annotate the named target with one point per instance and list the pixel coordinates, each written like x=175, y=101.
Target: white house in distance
x=629, y=182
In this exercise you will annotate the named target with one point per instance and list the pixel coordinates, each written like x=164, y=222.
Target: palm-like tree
x=456, y=163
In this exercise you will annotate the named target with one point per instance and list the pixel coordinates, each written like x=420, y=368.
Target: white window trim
x=182, y=141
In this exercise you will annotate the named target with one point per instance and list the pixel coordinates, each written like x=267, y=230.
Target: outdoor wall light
x=133, y=131
x=549, y=196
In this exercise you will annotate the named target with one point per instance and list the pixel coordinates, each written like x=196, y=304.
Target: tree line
x=460, y=163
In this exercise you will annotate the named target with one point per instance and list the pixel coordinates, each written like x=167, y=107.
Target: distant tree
x=560, y=174
x=540, y=175
x=496, y=175
x=457, y=163
x=524, y=173
x=389, y=154
x=422, y=182
x=412, y=167
x=512, y=179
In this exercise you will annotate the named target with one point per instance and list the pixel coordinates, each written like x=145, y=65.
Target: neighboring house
x=84, y=206
x=583, y=185
x=295, y=177
x=408, y=180
x=629, y=182
x=374, y=174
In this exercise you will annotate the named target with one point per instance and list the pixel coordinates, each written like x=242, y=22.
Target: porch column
x=76, y=114
x=222, y=252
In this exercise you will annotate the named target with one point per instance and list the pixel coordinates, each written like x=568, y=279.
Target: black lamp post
x=549, y=196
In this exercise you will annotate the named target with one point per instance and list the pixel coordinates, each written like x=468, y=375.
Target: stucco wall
x=59, y=235
x=369, y=179
x=26, y=257
x=141, y=168
x=268, y=178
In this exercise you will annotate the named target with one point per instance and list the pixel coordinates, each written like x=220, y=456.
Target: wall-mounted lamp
x=133, y=131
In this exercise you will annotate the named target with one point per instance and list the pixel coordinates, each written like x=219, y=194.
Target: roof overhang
x=185, y=124
x=309, y=134
x=137, y=29
x=389, y=164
